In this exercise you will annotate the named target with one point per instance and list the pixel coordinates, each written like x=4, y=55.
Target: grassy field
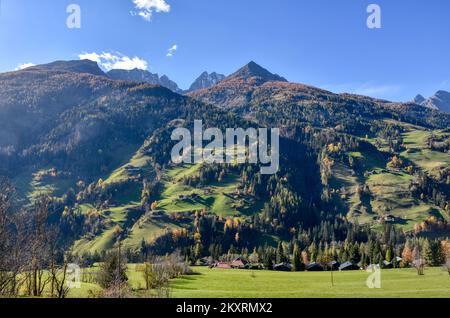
x=216, y=283
x=389, y=191
x=389, y=188
x=216, y=197
x=118, y=216
x=30, y=184
x=395, y=283
x=420, y=155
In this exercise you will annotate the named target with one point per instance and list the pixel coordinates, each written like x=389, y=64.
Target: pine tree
x=268, y=263
x=389, y=254
x=354, y=254
x=280, y=253
x=298, y=261
x=432, y=253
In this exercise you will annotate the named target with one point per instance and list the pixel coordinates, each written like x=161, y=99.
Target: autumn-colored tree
x=396, y=163
x=407, y=255
x=154, y=206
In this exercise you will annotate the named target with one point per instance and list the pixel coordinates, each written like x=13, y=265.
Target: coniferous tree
x=280, y=257
x=298, y=265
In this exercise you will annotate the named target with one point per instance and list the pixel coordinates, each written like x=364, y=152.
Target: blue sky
x=325, y=43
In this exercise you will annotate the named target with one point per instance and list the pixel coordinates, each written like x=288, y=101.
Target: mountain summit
x=76, y=66
x=236, y=89
x=419, y=99
x=206, y=80
x=439, y=101
x=253, y=71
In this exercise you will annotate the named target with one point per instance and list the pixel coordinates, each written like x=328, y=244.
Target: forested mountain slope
x=101, y=149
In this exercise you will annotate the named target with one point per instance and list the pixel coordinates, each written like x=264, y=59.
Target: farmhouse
x=314, y=267
x=348, y=266
x=240, y=263
x=223, y=265
x=334, y=265
x=283, y=267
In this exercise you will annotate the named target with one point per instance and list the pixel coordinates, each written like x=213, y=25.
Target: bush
x=113, y=271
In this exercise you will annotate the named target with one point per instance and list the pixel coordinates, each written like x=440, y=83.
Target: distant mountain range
x=251, y=74
x=439, y=101
x=205, y=80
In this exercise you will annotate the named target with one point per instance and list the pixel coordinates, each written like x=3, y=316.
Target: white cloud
x=110, y=61
x=23, y=66
x=172, y=50
x=145, y=8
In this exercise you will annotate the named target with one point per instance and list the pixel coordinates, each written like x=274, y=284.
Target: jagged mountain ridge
x=257, y=93
x=439, y=101
x=419, y=99
x=206, y=80
x=143, y=76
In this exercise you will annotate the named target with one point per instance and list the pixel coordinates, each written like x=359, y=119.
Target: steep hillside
x=353, y=168
x=81, y=125
x=101, y=149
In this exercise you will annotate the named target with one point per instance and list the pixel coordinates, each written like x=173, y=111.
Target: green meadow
x=216, y=283
x=216, y=197
x=390, y=188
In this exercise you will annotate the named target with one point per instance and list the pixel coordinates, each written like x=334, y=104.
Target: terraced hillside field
x=220, y=198
x=389, y=187
x=223, y=199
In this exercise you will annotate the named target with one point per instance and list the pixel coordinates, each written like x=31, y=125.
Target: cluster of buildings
x=240, y=263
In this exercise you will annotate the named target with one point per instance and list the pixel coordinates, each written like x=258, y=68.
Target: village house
x=334, y=265
x=314, y=267
x=283, y=267
x=348, y=266
x=223, y=265
x=240, y=263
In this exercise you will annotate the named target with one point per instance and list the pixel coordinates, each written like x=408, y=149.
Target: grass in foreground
x=398, y=283
x=216, y=283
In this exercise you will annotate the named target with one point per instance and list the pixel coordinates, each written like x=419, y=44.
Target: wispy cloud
x=23, y=66
x=172, y=50
x=366, y=89
x=444, y=84
x=145, y=8
x=377, y=91
x=110, y=61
